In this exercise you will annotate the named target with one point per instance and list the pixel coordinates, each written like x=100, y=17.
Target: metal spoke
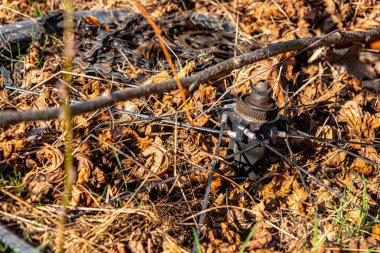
x=210, y=177
x=341, y=149
x=308, y=136
x=228, y=133
x=299, y=172
x=144, y=117
x=251, y=134
x=165, y=181
x=285, y=105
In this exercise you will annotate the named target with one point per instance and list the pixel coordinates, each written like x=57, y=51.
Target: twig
x=266, y=70
x=143, y=117
x=9, y=117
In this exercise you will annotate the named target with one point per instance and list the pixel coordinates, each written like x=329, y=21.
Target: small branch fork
x=191, y=82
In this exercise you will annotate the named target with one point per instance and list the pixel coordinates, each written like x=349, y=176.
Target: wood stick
x=192, y=81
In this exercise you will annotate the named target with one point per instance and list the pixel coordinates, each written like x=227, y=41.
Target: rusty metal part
x=258, y=105
x=256, y=112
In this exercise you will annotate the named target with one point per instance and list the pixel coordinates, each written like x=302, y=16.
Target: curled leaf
x=50, y=157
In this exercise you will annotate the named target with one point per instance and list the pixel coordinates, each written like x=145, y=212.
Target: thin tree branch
x=11, y=117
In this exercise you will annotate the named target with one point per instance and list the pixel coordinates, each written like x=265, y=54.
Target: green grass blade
x=248, y=238
x=197, y=242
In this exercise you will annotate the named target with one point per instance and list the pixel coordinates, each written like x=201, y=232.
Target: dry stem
x=157, y=31
x=67, y=115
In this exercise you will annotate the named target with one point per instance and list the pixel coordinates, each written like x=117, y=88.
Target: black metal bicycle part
x=256, y=112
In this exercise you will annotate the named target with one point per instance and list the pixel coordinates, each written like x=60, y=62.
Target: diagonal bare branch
x=11, y=117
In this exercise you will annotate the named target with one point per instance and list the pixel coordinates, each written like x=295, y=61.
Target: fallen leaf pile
x=330, y=93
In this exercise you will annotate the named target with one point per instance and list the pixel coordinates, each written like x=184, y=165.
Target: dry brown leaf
x=335, y=159
x=93, y=88
x=84, y=167
x=75, y=196
x=349, y=112
x=231, y=236
x=216, y=184
x=373, y=185
x=158, y=78
x=194, y=153
x=285, y=187
x=361, y=126
x=52, y=64
x=364, y=167
x=130, y=106
x=327, y=132
x=280, y=186
x=261, y=238
x=357, y=61
x=296, y=200
x=7, y=148
x=170, y=247
x=106, y=140
x=173, y=98
x=50, y=157
x=136, y=246
x=309, y=94
x=43, y=182
x=201, y=121
x=187, y=69
x=157, y=157
x=33, y=57
x=157, y=162
x=45, y=100
x=376, y=232
x=142, y=143
x=238, y=219
x=33, y=77
x=31, y=164
x=39, y=187
x=81, y=121
x=3, y=94
x=204, y=95
x=98, y=178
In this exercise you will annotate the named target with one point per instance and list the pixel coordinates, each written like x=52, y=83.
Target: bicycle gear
x=257, y=112
x=258, y=106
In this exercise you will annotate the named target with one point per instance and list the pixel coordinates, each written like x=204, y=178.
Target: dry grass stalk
x=66, y=115
x=157, y=30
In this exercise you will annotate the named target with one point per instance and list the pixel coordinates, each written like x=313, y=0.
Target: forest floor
x=330, y=93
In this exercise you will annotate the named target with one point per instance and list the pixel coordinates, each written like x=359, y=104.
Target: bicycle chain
x=188, y=35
